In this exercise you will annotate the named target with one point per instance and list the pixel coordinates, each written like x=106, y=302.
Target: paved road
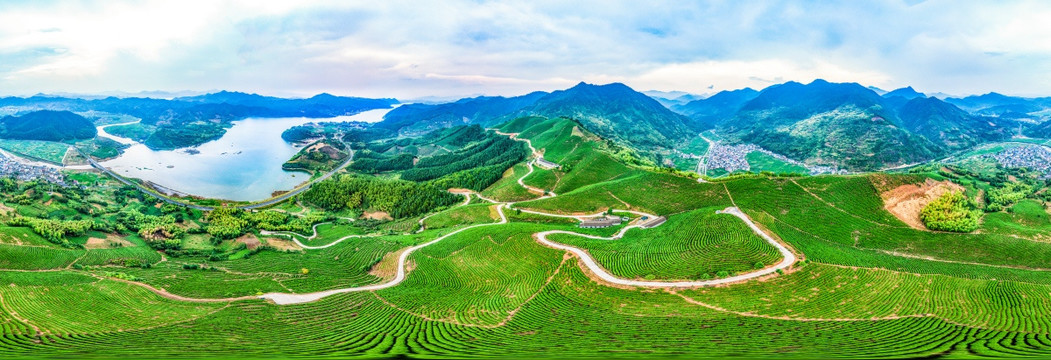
x=284, y=298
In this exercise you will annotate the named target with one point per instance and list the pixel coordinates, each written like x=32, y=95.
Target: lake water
x=243, y=165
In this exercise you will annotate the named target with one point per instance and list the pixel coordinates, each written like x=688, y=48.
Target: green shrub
x=951, y=212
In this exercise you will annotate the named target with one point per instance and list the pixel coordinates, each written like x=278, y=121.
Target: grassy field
x=49, y=151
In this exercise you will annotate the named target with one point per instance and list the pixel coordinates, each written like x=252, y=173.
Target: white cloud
x=409, y=49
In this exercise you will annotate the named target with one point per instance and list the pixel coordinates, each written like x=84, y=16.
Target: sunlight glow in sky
x=409, y=49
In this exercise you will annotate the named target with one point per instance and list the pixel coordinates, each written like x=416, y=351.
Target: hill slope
x=483, y=110
x=828, y=124
x=948, y=126
x=615, y=111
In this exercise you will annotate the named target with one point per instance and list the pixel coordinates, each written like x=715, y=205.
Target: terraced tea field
x=822, y=271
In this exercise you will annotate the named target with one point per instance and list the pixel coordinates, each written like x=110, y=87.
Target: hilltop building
x=602, y=222
x=543, y=163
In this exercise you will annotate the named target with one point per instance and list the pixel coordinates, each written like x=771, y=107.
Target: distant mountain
x=192, y=120
x=614, y=111
x=483, y=110
x=949, y=126
x=841, y=124
x=877, y=90
x=906, y=92
x=47, y=125
x=321, y=105
x=671, y=99
x=978, y=102
x=715, y=110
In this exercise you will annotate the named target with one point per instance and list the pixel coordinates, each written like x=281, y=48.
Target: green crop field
x=49, y=151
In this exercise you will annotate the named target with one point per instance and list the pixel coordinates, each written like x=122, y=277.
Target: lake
x=243, y=165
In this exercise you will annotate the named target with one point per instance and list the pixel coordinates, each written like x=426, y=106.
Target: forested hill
x=707, y=113
x=615, y=111
x=47, y=125
x=850, y=126
x=951, y=127
x=415, y=119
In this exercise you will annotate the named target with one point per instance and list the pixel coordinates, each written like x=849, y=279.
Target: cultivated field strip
x=572, y=316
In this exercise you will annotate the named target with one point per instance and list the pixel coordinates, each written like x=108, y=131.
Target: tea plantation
x=471, y=277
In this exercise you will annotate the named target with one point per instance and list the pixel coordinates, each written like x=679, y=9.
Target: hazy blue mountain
x=977, y=102
x=671, y=99
x=47, y=125
x=906, y=92
x=717, y=109
x=321, y=105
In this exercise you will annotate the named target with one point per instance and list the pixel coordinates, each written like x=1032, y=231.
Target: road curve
x=288, y=298
x=292, y=236
x=285, y=299
x=788, y=257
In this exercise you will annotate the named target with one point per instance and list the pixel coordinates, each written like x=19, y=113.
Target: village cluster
x=25, y=172
x=733, y=158
x=1037, y=158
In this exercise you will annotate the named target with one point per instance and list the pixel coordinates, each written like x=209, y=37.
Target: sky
x=452, y=48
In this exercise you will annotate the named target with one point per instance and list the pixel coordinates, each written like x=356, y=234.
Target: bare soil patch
x=282, y=244
x=377, y=215
x=906, y=201
x=387, y=268
x=249, y=240
x=111, y=241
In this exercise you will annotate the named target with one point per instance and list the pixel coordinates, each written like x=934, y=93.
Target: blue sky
x=458, y=48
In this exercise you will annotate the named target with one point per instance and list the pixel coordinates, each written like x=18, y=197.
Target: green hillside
x=47, y=125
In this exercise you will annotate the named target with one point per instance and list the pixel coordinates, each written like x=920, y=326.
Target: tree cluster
x=398, y=198
x=951, y=212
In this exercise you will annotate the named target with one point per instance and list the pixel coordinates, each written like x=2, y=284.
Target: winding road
x=788, y=258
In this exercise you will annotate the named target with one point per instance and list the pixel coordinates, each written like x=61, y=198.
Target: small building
x=602, y=222
x=540, y=161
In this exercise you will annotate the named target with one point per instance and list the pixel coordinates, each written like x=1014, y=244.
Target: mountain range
x=845, y=125
x=822, y=123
